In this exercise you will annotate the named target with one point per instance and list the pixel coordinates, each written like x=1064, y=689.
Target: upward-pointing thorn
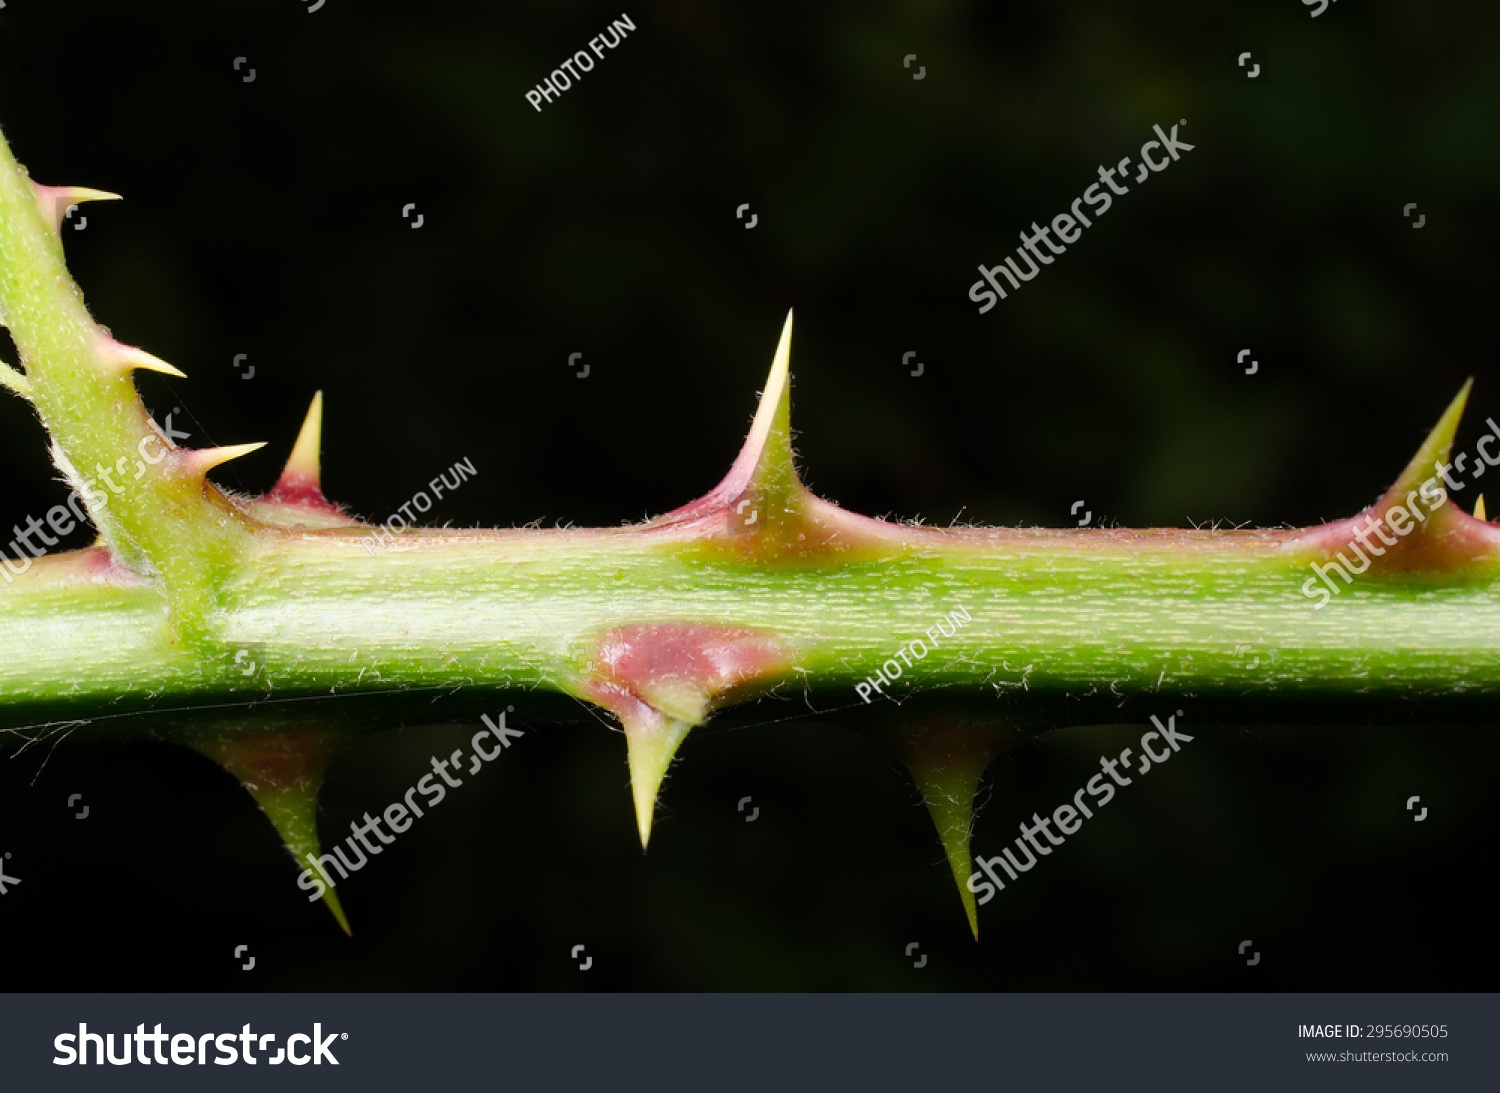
x=301, y=479
x=53, y=201
x=203, y=460
x=297, y=501
x=763, y=479
x=765, y=461
x=1433, y=452
x=304, y=457
x=126, y=358
x=1433, y=533
x=761, y=511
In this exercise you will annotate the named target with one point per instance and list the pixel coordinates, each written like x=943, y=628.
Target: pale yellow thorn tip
x=783, y=361
x=305, y=457
x=775, y=392
x=765, y=460
x=128, y=358
x=645, y=810
x=206, y=459
x=53, y=202
x=650, y=752
x=774, y=397
x=1479, y=508
x=77, y=195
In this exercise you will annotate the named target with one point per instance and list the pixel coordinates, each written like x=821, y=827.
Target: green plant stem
x=1054, y=614
x=160, y=520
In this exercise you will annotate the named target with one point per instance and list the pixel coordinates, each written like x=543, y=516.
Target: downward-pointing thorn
x=661, y=679
x=651, y=748
x=282, y=767
x=947, y=758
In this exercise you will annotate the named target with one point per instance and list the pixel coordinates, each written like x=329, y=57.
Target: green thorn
x=651, y=741
x=949, y=792
x=293, y=812
x=947, y=756
x=282, y=768
x=1434, y=449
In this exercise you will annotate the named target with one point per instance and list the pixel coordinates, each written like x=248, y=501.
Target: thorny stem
x=195, y=600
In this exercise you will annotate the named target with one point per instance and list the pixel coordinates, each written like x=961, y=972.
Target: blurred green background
x=265, y=218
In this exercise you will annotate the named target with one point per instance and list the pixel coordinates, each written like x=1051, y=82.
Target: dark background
x=264, y=218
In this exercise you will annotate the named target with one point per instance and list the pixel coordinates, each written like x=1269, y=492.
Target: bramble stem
x=1209, y=614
